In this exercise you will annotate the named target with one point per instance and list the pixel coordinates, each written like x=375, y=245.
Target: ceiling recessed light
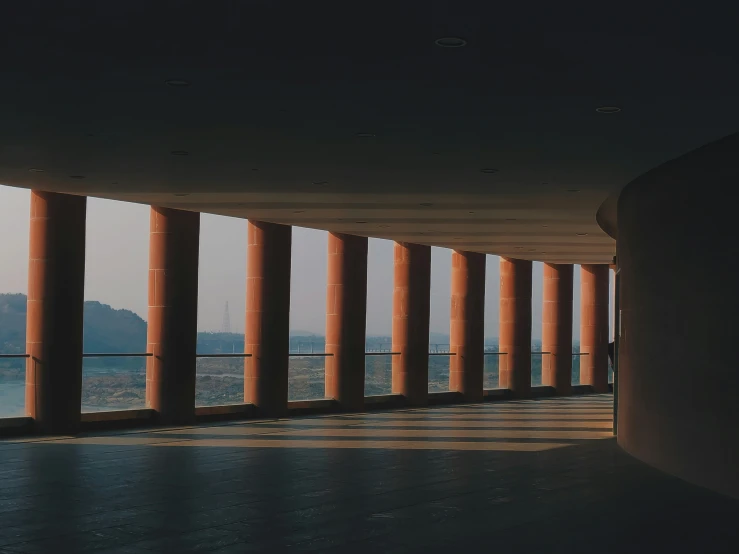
x=181, y=194
x=177, y=83
x=608, y=109
x=581, y=234
x=179, y=152
x=489, y=170
x=76, y=176
x=365, y=135
x=320, y=182
x=450, y=42
x=34, y=170
x=426, y=204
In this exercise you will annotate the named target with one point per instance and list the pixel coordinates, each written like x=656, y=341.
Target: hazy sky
x=117, y=263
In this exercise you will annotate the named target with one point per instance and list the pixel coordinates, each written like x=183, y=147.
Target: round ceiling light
x=450, y=42
x=608, y=109
x=177, y=83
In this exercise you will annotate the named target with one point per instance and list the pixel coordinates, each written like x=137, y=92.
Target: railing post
x=56, y=289
x=173, y=314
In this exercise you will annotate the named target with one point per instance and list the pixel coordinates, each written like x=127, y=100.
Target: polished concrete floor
x=527, y=476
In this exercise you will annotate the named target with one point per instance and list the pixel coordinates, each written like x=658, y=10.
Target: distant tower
x=226, y=325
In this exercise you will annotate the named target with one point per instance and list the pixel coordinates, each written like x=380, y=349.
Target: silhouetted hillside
x=106, y=330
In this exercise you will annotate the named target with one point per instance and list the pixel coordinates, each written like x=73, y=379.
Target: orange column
x=346, y=319
x=172, y=329
x=467, y=325
x=267, y=337
x=411, y=312
x=56, y=290
x=594, y=326
x=556, y=327
x=515, y=326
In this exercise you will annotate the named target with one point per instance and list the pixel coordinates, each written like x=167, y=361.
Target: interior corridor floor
x=517, y=476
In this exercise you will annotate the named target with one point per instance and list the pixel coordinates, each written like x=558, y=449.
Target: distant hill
x=105, y=330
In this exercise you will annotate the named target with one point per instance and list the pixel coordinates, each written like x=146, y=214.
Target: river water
x=13, y=400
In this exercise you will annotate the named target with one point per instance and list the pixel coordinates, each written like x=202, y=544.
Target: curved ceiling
x=347, y=116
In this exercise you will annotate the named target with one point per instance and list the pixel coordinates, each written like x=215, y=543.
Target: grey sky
x=117, y=262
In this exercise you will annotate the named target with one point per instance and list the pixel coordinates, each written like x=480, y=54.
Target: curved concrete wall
x=678, y=253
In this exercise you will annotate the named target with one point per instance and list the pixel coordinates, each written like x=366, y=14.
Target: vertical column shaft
x=172, y=330
x=594, y=326
x=346, y=319
x=467, y=325
x=56, y=288
x=267, y=337
x=411, y=312
x=556, y=327
x=515, y=326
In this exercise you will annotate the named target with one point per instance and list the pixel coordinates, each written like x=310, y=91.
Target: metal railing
x=242, y=355
x=121, y=355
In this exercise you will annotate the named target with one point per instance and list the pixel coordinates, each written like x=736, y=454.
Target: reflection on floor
x=526, y=476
